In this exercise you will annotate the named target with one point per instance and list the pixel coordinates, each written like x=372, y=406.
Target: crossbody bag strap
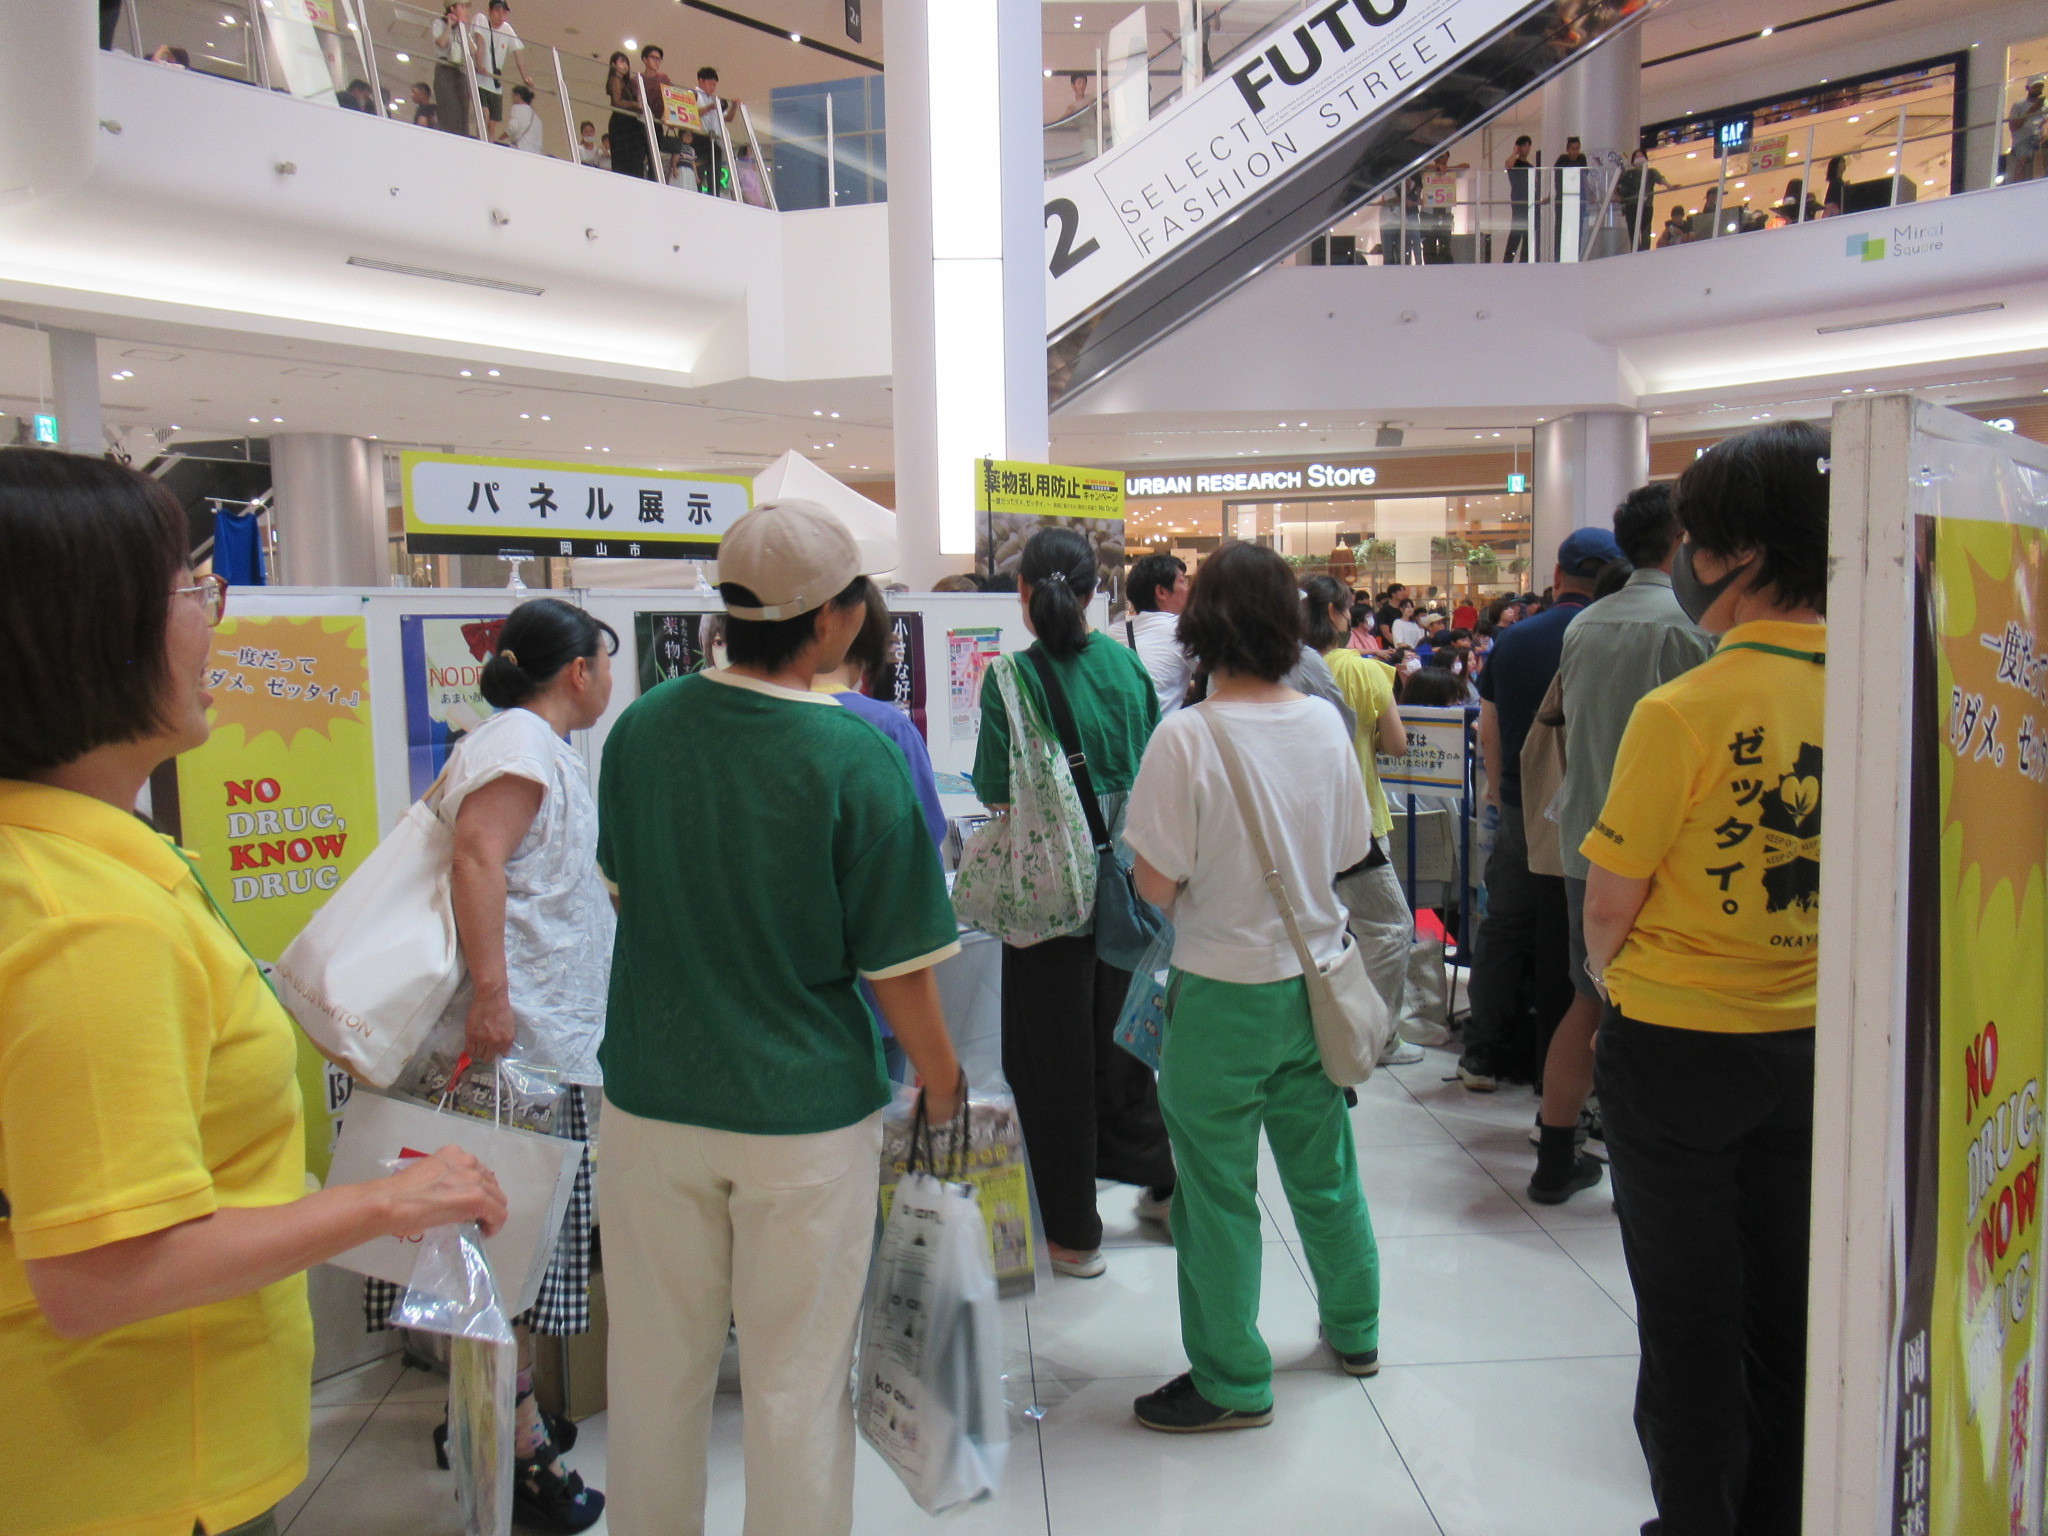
x=1070, y=743
x=1240, y=788
x=1818, y=658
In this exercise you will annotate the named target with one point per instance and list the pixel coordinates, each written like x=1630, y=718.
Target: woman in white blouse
x=1240, y=1050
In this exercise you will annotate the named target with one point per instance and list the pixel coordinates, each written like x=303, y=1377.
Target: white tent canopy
x=791, y=477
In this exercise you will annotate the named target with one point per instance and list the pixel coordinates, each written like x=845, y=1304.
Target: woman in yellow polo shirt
x=1702, y=919
x=154, y=1219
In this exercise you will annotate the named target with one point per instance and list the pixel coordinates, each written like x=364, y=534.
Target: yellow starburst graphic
x=288, y=675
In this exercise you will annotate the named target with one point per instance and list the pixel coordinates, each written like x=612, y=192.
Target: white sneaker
x=1082, y=1266
x=1151, y=1207
x=1399, y=1053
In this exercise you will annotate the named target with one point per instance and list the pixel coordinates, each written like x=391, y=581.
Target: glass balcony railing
x=1450, y=214
x=450, y=71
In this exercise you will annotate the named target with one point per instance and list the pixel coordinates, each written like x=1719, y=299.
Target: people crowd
x=730, y=944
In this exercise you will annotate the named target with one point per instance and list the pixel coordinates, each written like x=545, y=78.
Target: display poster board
x=1012, y=501
x=444, y=701
x=680, y=108
x=1976, y=994
x=667, y=645
x=279, y=806
x=1439, y=189
x=462, y=504
x=1436, y=762
x=1926, y=1349
x=1768, y=154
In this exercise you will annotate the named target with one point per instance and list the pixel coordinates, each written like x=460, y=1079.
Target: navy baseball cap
x=1586, y=546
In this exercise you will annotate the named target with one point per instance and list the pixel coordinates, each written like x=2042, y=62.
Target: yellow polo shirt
x=1368, y=687
x=146, y=1079
x=1716, y=801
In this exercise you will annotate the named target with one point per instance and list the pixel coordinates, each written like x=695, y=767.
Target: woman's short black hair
x=1765, y=491
x=93, y=550
x=1319, y=595
x=1244, y=613
x=1059, y=565
x=874, y=648
x=540, y=637
x=770, y=643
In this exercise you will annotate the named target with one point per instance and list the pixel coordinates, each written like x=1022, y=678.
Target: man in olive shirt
x=769, y=853
x=1616, y=651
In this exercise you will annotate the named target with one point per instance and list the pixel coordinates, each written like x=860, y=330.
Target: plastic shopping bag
x=984, y=1149
x=931, y=1344
x=452, y=1293
x=1141, y=1026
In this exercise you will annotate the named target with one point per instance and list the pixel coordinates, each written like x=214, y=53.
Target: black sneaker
x=1178, y=1409
x=544, y=1498
x=1365, y=1363
x=1585, y=1173
x=561, y=1434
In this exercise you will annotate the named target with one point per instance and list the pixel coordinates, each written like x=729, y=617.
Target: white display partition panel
x=1925, y=1358
x=943, y=615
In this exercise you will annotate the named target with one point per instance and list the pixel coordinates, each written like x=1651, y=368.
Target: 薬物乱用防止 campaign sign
x=1240, y=131
x=458, y=504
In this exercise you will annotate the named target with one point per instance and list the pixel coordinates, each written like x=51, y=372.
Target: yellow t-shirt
x=146, y=1079
x=1368, y=687
x=1716, y=800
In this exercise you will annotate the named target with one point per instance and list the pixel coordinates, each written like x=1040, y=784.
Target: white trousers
x=774, y=1234
x=1381, y=926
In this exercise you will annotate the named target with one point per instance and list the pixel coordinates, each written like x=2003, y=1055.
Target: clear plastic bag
x=452, y=1293
x=513, y=1090
x=1141, y=1025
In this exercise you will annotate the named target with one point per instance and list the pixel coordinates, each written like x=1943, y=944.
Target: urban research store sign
x=459, y=505
x=1226, y=482
x=1109, y=220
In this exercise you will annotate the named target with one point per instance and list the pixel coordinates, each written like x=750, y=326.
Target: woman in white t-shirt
x=1240, y=1049
x=536, y=923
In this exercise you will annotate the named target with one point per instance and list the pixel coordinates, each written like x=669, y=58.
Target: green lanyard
x=200, y=881
x=1818, y=658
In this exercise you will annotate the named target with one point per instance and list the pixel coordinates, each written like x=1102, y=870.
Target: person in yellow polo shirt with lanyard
x=1702, y=921
x=154, y=1219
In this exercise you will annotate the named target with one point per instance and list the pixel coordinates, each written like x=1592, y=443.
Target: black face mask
x=1696, y=596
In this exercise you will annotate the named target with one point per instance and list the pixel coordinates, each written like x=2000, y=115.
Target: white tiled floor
x=1502, y=1410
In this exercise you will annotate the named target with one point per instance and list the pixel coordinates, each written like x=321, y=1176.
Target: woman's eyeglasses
x=212, y=594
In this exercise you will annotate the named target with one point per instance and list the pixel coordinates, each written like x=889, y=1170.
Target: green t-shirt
x=1115, y=708
x=768, y=851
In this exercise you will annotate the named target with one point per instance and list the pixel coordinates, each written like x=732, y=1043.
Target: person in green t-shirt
x=768, y=853
x=1089, y=1110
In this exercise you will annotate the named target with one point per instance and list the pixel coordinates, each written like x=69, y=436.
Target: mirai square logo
x=1866, y=248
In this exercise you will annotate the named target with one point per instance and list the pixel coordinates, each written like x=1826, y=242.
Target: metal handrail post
x=653, y=137
x=1720, y=199
x=478, y=121
x=258, y=43
x=831, y=157
x=1099, y=146
x=1806, y=177
x=568, y=107
x=761, y=159
x=1898, y=154
x=135, y=27
x=732, y=165
x=367, y=47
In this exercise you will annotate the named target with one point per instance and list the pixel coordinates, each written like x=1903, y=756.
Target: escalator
x=1258, y=152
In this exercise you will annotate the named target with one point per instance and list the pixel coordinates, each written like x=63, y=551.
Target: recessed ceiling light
x=796, y=37
x=631, y=43
x=278, y=419
x=467, y=374
x=547, y=418
x=1857, y=119
x=833, y=414
x=492, y=372
x=1767, y=31
x=405, y=58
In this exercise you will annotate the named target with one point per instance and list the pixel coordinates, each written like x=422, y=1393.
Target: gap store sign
x=1225, y=482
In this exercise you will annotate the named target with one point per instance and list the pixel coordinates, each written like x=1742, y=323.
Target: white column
x=1585, y=465
x=966, y=262
x=1600, y=99
x=75, y=386
x=329, y=496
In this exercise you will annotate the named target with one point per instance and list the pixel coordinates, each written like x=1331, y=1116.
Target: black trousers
x=1711, y=1137
x=1521, y=983
x=1090, y=1109
x=632, y=154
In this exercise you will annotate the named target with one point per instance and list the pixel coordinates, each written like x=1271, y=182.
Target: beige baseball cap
x=793, y=555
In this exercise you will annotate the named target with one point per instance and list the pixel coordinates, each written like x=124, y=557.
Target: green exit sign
x=1517, y=484
x=46, y=429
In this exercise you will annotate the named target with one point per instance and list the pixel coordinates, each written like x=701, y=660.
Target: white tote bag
x=931, y=1349
x=371, y=973
x=536, y=1172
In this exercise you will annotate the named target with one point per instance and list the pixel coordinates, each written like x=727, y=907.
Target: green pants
x=1237, y=1058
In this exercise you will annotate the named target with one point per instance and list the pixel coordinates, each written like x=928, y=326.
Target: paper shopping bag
x=537, y=1173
